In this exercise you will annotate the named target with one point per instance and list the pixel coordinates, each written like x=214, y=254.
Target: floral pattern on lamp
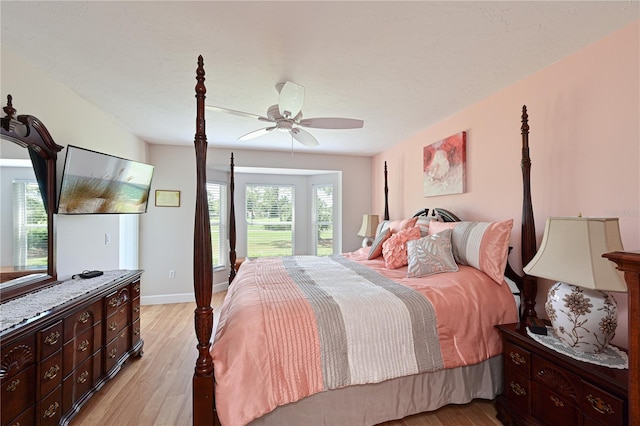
x=581, y=318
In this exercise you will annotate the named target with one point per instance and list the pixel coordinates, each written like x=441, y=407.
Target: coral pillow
x=398, y=225
x=394, y=250
x=483, y=245
x=376, y=247
x=430, y=255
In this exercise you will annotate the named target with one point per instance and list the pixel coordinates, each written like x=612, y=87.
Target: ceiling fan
x=287, y=117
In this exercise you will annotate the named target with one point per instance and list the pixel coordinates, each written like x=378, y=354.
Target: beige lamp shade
x=369, y=225
x=571, y=252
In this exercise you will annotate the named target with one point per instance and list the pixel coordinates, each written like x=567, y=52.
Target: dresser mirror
x=28, y=157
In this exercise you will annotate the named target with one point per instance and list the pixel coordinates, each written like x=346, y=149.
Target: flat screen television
x=97, y=183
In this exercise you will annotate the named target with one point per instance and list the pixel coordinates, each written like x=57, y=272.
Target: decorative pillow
x=430, y=255
x=483, y=245
x=376, y=246
x=382, y=226
x=394, y=250
x=423, y=224
x=398, y=225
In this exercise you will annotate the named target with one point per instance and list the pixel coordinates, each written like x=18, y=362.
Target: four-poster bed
x=204, y=385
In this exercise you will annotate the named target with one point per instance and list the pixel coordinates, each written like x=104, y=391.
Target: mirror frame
x=29, y=132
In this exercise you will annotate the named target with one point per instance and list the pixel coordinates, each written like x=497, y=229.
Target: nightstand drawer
x=562, y=382
x=518, y=389
x=554, y=409
x=517, y=358
x=602, y=406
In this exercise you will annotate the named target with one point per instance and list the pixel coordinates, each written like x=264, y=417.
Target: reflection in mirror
x=27, y=257
x=23, y=223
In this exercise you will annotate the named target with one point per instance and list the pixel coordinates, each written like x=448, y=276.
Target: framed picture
x=444, y=166
x=166, y=198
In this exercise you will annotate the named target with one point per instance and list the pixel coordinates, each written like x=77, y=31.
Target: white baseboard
x=165, y=299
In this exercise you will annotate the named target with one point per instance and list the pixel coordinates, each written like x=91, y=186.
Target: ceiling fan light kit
x=287, y=116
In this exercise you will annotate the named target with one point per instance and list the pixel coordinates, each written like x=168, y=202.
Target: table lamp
x=582, y=312
x=368, y=228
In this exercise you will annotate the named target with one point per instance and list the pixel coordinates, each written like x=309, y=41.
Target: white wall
x=71, y=120
x=167, y=233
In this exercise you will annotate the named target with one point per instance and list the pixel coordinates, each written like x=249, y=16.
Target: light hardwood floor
x=155, y=389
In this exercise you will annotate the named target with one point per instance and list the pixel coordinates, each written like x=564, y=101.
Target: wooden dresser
x=53, y=362
x=544, y=387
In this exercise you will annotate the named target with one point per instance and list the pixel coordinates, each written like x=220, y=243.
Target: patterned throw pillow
x=376, y=247
x=430, y=255
x=483, y=245
x=394, y=250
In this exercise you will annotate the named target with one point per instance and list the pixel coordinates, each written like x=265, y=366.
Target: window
x=323, y=219
x=30, y=233
x=216, y=196
x=269, y=217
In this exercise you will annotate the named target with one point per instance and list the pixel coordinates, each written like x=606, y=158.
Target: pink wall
x=585, y=150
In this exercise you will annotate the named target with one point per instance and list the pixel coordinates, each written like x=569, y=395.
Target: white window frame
x=315, y=223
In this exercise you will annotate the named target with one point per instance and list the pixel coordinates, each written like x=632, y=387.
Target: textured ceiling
x=399, y=66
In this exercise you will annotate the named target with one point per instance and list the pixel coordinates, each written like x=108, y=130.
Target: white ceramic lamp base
x=583, y=319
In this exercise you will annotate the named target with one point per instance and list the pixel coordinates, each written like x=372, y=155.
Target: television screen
x=93, y=182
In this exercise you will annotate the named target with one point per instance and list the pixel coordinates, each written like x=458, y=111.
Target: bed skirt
x=392, y=399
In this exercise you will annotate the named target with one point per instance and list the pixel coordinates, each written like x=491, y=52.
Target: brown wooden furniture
x=629, y=263
x=542, y=386
x=30, y=133
x=204, y=408
x=50, y=365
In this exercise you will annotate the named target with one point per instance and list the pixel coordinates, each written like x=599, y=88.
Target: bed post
x=232, y=224
x=528, y=237
x=386, y=194
x=203, y=384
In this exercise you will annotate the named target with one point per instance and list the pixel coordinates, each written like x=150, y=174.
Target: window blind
x=217, y=201
x=323, y=219
x=269, y=220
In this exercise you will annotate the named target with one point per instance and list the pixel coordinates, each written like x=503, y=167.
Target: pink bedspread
x=267, y=349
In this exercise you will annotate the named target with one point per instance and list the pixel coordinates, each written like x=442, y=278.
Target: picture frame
x=167, y=198
x=444, y=166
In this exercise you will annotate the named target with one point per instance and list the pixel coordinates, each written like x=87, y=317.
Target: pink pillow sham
x=483, y=245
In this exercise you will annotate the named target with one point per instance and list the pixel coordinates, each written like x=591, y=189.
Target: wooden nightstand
x=544, y=387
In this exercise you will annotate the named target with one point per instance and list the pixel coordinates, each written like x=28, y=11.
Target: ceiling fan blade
x=332, y=123
x=256, y=133
x=234, y=112
x=304, y=137
x=291, y=99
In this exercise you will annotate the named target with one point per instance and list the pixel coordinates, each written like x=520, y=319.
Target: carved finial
x=10, y=112
x=525, y=120
x=385, y=166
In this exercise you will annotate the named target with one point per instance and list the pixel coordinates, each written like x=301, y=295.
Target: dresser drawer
x=82, y=320
x=602, y=406
x=50, y=339
x=79, y=349
x=24, y=419
x=114, y=301
x=50, y=409
x=135, y=332
x=50, y=374
x=564, y=383
x=80, y=382
x=116, y=323
x=518, y=389
x=17, y=393
x=135, y=290
x=135, y=309
x=517, y=358
x=116, y=349
x=554, y=409
x=17, y=355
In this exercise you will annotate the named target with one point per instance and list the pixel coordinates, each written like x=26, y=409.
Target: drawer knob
x=13, y=385
x=599, y=405
x=113, y=302
x=556, y=401
x=136, y=309
x=84, y=317
x=52, y=372
x=51, y=411
x=113, y=353
x=83, y=346
x=517, y=358
x=113, y=326
x=136, y=332
x=52, y=339
x=517, y=389
x=136, y=288
x=83, y=377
